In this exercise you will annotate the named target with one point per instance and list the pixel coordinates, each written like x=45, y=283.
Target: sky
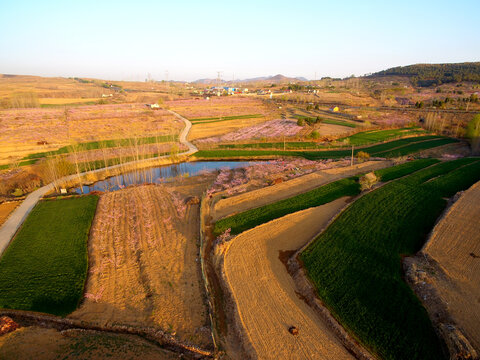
x=188, y=40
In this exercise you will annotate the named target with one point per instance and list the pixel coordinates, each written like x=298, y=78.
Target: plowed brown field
x=271, y=194
x=265, y=295
x=144, y=266
x=455, y=245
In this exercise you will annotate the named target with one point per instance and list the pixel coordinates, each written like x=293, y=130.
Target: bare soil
x=267, y=303
x=453, y=266
x=144, y=265
x=6, y=209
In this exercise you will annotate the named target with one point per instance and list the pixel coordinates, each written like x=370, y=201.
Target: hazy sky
x=195, y=39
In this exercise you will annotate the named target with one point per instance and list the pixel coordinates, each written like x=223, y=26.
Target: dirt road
x=265, y=294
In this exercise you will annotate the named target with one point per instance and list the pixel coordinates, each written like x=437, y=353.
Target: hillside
x=435, y=74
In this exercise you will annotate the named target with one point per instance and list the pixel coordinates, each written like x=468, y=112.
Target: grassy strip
x=415, y=147
x=45, y=267
x=369, y=137
x=338, y=122
x=22, y=163
x=322, y=195
x=94, y=145
x=233, y=117
x=355, y=264
x=407, y=168
x=402, y=147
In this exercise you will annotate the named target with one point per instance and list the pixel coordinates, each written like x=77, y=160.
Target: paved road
x=16, y=219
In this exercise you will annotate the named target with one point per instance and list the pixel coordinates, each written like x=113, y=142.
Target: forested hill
x=434, y=74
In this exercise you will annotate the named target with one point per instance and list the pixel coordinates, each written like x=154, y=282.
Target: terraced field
x=355, y=264
x=455, y=248
x=394, y=148
x=45, y=266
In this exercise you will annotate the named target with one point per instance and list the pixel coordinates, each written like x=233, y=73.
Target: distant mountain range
x=272, y=79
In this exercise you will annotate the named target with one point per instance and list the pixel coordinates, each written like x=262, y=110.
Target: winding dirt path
x=16, y=219
x=265, y=294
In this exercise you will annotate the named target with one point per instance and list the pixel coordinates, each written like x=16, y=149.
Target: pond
x=159, y=174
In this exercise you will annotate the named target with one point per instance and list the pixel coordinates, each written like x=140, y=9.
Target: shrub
x=315, y=134
x=300, y=122
x=363, y=156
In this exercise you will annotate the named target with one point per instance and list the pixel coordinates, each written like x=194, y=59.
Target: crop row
x=45, y=267
x=254, y=217
x=391, y=149
x=368, y=137
x=355, y=264
x=395, y=172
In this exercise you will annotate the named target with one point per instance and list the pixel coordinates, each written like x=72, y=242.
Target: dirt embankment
x=284, y=190
x=446, y=273
x=48, y=344
x=144, y=265
x=265, y=295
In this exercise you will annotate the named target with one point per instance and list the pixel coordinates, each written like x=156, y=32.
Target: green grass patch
x=339, y=122
x=369, y=137
x=45, y=267
x=322, y=195
x=394, y=172
x=356, y=268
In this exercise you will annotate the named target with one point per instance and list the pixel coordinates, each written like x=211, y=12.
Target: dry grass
x=22, y=129
x=265, y=294
x=455, y=246
x=144, y=269
x=6, y=209
x=63, y=101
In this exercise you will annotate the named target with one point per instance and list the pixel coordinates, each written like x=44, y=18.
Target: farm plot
x=394, y=148
x=270, y=194
x=30, y=131
x=254, y=217
x=45, y=266
x=455, y=247
x=144, y=266
x=265, y=295
x=369, y=137
x=355, y=264
x=240, y=112
x=272, y=129
x=361, y=138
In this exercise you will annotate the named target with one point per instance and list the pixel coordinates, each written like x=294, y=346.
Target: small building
x=154, y=106
x=334, y=109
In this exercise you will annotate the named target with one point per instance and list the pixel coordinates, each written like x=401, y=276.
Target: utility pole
x=351, y=161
